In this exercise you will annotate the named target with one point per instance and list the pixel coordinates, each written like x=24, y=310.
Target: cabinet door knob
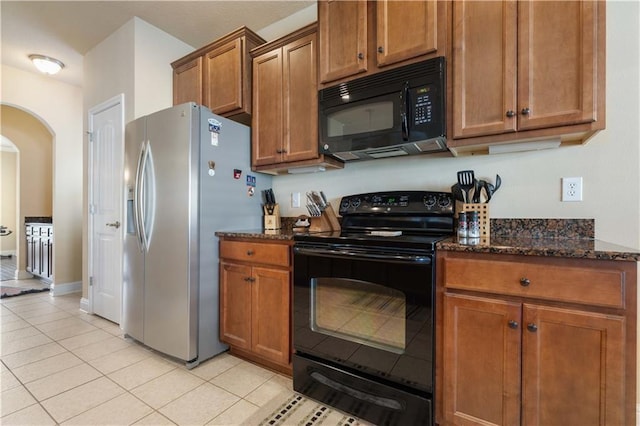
x=380, y=49
x=513, y=324
x=360, y=56
x=250, y=252
x=524, y=282
x=115, y=224
x=510, y=113
x=532, y=327
x=525, y=111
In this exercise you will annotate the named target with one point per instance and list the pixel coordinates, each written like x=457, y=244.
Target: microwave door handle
x=405, y=110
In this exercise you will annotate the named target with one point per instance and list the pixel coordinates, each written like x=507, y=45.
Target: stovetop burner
x=402, y=219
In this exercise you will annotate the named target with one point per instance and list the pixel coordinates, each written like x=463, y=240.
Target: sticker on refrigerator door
x=251, y=185
x=214, y=128
x=212, y=167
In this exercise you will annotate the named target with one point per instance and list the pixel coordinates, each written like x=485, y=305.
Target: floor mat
x=8, y=291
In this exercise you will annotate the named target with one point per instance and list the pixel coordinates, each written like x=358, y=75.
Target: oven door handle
x=380, y=257
x=355, y=393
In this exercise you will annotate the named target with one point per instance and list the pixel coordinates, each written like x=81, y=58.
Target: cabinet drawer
x=266, y=253
x=583, y=282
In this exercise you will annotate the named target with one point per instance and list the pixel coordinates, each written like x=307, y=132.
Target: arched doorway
x=33, y=196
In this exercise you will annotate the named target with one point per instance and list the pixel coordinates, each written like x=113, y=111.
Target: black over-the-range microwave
x=392, y=113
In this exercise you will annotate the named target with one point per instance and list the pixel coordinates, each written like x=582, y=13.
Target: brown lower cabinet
x=255, y=301
x=535, y=341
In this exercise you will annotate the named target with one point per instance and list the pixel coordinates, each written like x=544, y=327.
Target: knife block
x=272, y=221
x=327, y=221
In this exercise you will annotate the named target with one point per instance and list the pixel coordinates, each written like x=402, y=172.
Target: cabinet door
x=187, y=82
x=343, y=38
x=300, y=97
x=481, y=366
x=573, y=367
x=270, y=313
x=223, y=80
x=405, y=29
x=484, y=68
x=235, y=305
x=266, y=132
x=557, y=60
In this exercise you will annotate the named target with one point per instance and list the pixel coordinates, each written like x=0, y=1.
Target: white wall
x=289, y=24
x=59, y=107
x=609, y=163
x=135, y=60
x=154, y=52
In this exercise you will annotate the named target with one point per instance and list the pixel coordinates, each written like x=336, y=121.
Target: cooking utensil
x=466, y=181
x=457, y=192
x=489, y=190
x=477, y=188
x=498, y=182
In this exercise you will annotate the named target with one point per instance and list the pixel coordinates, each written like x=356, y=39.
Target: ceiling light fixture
x=46, y=64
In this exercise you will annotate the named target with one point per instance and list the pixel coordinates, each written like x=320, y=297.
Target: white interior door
x=106, y=156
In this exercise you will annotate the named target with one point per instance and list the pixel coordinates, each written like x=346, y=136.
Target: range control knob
x=355, y=203
x=430, y=200
x=444, y=201
x=344, y=204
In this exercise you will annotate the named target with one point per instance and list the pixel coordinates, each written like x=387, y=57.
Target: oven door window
x=360, y=312
x=366, y=313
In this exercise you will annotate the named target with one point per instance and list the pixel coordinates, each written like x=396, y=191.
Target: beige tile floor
x=60, y=365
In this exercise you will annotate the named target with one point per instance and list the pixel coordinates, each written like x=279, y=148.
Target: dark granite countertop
x=530, y=237
x=584, y=248
x=258, y=234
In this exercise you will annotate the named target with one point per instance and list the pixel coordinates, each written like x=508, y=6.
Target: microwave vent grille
x=429, y=145
x=346, y=156
x=385, y=153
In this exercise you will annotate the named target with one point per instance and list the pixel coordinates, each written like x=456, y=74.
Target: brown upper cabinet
x=218, y=75
x=527, y=70
x=363, y=37
x=285, y=104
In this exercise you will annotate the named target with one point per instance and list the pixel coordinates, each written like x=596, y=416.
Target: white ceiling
x=67, y=30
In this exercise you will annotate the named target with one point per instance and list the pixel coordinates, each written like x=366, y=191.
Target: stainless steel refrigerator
x=187, y=175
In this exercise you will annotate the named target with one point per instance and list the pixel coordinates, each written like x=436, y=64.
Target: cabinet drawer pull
x=380, y=49
x=525, y=111
x=513, y=324
x=249, y=279
x=250, y=252
x=360, y=56
x=524, y=282
x=532, y=327
x=511, y=113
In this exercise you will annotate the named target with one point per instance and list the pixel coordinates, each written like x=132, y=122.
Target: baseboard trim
x=85, y=305
x=58, y=289
x=23, y=275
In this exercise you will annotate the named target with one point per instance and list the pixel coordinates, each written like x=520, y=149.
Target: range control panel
x=398, y=202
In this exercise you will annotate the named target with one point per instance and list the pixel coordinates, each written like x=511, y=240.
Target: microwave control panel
x=423, y=107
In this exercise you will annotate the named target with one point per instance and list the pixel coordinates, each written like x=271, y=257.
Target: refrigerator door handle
x=147, y=197
x=137, y=197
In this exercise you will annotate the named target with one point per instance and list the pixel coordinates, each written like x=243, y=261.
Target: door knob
x=115, y=224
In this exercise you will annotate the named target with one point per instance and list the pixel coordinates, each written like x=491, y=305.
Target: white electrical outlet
x=572, y=189
x=295, y=199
